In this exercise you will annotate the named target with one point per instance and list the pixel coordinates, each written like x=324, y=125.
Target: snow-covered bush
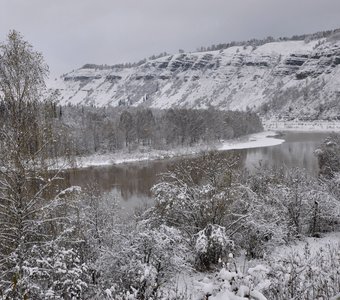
x=311, y=271
x=49, y=271
x=57, y=273
x=142, y=261
x=228, y=284
x=212, y=246
x=328, y=155
x=305, y=275
x=128, y=258
x=196, y=193
x=283, y=205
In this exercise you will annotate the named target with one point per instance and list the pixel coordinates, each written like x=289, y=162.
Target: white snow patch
x=315, y=245
x=319, y=125
x=262, y=139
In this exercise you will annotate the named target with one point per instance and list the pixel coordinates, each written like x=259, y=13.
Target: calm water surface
x=296, y=151
x=131, y=183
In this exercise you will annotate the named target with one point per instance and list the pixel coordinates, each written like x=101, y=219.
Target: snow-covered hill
x=287, y=79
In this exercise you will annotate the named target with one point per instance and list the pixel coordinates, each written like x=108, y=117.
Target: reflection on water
x=133, y=181
x=296, y=151
x=129, y=179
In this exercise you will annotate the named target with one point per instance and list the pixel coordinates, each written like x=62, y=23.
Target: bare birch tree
x=27, y=222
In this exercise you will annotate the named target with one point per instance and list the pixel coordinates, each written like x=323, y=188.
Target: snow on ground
x=196, y=285
x=318, y=125
x=315, y=244
x=117, y=158
x=262, y=139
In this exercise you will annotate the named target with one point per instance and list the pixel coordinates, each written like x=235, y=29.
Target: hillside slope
x=287, y=79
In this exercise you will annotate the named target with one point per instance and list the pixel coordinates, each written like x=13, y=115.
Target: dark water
x=132, y=182
x=296, y=151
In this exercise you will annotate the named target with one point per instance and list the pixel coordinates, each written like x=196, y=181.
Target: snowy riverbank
x=262, y=139
x=256, y=140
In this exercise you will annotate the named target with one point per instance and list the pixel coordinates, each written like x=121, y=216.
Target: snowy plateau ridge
x=286, y=79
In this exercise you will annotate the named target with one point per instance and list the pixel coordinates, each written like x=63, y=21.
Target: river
x=131, y=183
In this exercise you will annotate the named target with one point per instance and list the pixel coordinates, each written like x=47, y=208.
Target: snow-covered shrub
x=309, y=272
x=282, y=205
x=65, y=276
x=45, y=263
x=140, y=259
x=161, y=253
x=328, y=155
x=227, y=284
x=196, y=193
x=190, y=208
x=305, y=275
x=49, y=272
x=212, y=246
x=127, y=258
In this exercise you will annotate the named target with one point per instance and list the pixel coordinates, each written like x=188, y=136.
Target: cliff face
x=291, y=79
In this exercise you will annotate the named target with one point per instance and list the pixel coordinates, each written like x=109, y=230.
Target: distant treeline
x=87, y=130
x=270, y=39
x=252, y=42
x=125, y=65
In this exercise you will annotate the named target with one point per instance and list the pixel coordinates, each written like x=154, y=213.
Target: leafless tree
x=27, y=222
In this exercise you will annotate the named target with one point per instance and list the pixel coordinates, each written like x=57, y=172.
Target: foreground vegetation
x=205, y=216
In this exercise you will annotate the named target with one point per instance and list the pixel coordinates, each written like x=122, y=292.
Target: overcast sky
x=71, y=33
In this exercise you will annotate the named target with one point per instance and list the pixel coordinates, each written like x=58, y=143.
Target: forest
x=81, y=130
x=207, y=212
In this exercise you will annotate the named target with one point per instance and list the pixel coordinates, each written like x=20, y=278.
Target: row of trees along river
x=81, y=130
